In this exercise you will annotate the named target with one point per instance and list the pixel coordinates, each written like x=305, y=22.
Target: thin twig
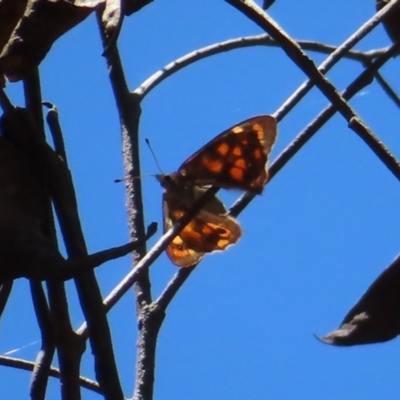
x=45, y=356
x=33, y=99
x=54, y=372
x=55, y=130
x=388, y=89
x=172, y=287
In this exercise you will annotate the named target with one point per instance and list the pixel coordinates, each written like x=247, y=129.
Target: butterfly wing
x=178, y=251
x=234, y=159
x=205, y=233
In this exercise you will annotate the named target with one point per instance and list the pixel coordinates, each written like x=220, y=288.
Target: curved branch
x=242, y=42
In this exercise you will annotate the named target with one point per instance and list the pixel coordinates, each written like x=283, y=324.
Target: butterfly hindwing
x=210, y=230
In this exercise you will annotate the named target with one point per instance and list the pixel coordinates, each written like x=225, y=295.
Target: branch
x=357, y=85
x=172, y=287
x=336, y=54
x=54, y=372
x=45, y=356
x=117, y=293
x=33, y=99
x=243, y=42
x=56, y=132
x=59, y=182
x=293, y=50
x=96, y=259
x=388, y=89
x=57, y=332
x=329, y=62
x=129, y=110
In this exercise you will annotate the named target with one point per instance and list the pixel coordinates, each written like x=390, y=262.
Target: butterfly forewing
x=234, y=159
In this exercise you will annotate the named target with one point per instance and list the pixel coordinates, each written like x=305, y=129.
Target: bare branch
x=172, y=287
x=337, y=53
x=54, y=372
x=388, y=89
x=329, y=62
x=358, y=84
x=153, y=254
x=243, y=42
x=293, y=50
x=45, y=356
x=56, y=132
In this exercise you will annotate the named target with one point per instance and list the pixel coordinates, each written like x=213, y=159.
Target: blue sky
x=242, y=326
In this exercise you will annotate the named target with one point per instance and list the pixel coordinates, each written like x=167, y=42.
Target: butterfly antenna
x=119, y=180
x=154, y=155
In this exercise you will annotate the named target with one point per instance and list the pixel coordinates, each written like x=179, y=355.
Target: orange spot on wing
x=260, y=131
x=212, y=165
x=222, y=243
x=237, y=151
x=236, y=174
x=207, y=230
x=223, y=149
x=240, y=163
x=257, y=154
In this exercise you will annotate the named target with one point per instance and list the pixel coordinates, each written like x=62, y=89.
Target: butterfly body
x=235, y=159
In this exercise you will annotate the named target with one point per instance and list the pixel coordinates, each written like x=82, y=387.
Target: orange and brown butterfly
x=235, y=159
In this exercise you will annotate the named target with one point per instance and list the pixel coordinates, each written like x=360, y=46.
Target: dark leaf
x=23, y=245
x=42, y=23
x=376, y=316
x=11, y=12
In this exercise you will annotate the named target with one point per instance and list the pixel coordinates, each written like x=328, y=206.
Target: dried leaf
x=391, y=22
x=11, y=12
x=376, y=316
x=21, y=214
x=43, y=22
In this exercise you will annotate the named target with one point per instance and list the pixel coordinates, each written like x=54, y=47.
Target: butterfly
x=235, y=159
